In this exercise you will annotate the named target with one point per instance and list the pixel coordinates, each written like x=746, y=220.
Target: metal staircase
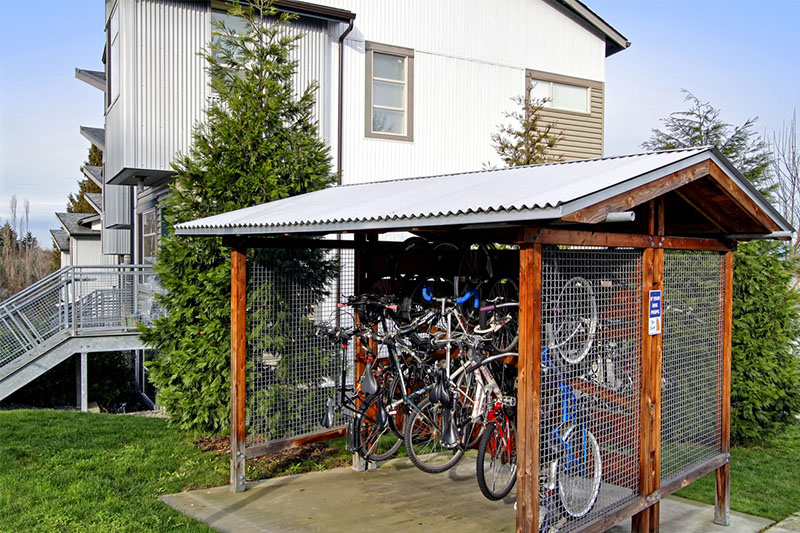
x=73, y=310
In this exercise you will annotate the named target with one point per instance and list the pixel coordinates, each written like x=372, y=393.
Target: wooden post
x=529, y=387
x=722, y=509
x=650, y=388
x=359, y=464
x=238, y=364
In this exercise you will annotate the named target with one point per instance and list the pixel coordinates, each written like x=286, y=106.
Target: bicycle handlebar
x=428, y=296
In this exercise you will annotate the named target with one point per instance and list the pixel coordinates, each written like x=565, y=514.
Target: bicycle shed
x=658, y=394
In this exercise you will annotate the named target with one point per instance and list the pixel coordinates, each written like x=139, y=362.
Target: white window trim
x=408, y=83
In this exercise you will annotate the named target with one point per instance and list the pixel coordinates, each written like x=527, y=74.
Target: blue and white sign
x=655, y=313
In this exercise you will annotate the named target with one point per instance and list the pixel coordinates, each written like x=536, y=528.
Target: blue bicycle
x=572, y=467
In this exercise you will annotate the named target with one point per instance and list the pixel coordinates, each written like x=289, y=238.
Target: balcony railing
x=73, y=301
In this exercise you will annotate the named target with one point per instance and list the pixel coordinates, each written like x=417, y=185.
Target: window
x=237, y=25
x=561, y=95
x=149, y=235
x=389, y=92
x=112, y=65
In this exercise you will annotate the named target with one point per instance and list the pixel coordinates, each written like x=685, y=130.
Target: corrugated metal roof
x=61, y=238
x=507, y=195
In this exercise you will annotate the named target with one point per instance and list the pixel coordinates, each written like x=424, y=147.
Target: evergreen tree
x=527, y=140
x=78, y=203
x=765, y=377
x=259, y=143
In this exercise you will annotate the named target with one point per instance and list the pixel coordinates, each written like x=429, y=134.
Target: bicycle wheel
x=497, y=460
x=376, y=442
x=574, y=316
x=504, y=319
x=422, y=436
x=579, y=470
x=470, y=411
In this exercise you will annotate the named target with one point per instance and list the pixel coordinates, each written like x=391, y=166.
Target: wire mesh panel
x=591, y=339
x=691, y=403
x=291, y=368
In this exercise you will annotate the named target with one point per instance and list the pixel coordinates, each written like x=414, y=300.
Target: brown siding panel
x=581, y=133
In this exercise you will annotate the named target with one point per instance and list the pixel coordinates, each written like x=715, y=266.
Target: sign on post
x=655, y=313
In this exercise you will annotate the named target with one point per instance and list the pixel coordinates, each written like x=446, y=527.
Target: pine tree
x=765, y=377
x=259, y=143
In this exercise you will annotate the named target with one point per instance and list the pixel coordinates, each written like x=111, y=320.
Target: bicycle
x=572, y=468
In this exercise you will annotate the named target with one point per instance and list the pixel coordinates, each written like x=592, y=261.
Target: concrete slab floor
x=395, y=497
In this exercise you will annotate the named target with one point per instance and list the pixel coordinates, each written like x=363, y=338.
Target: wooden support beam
x=238, y=364
x=735, y=193
x=295, y=442
x=529, y=387
x=650, y=391
x=628, y=240
x=722, y=509
x=596, y=213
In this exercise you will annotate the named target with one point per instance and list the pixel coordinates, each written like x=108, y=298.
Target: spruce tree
x=259, y=143
x=765, y=373
x=78, y=203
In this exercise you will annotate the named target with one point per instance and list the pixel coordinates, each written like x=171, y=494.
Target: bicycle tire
x=506, y=338
x=574, y=315
x=502, y=461
x=375, y=442
x=578, y=485
x=469, y=417
x=422, y=436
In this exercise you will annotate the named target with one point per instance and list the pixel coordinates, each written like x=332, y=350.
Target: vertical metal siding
x=116, y=241
x=312, y=54
x=170, y=85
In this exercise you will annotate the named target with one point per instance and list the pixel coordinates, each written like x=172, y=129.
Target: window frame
x=112, y=59
x=408, y=55
x=534, y=76
x=148, y=259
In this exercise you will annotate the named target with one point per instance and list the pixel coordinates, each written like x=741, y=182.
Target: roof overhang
x=93, y=173
x=145, y=176
x=615, y=41
x=314, y=10
x=96, y=201
x=95, y=78
x=96, y=136
x=577, y=192
x=60, y=239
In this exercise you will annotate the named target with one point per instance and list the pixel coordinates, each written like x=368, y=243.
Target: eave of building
x=96, y=136
x=615, y=41
x=149, y=177
x=61, y=239
x=75, y=224
x=95, y=200
x=304, y=9
x=93, y=173
x=95, y=78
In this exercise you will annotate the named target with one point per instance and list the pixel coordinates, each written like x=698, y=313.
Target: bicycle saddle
x=369, y=385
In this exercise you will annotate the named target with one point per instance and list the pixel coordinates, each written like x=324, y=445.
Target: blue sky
x=743, y=56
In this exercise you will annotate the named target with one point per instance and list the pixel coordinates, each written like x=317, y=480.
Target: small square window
x=389, y=92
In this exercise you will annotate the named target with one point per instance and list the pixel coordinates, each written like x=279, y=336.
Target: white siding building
x=405, y=89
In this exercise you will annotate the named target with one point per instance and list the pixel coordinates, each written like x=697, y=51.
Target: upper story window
x=561, y=95
x=112, y=58
x=237, y=25
x=389, y=92
x=149, y=238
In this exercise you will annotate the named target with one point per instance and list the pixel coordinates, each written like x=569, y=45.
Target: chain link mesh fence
x=291, y=369
x=591, y=371
x=691, y=385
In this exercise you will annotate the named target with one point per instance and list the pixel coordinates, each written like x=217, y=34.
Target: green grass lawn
x=68, y=471
x=765, y=480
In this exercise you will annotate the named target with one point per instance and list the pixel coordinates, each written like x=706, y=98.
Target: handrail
x=77, y=300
